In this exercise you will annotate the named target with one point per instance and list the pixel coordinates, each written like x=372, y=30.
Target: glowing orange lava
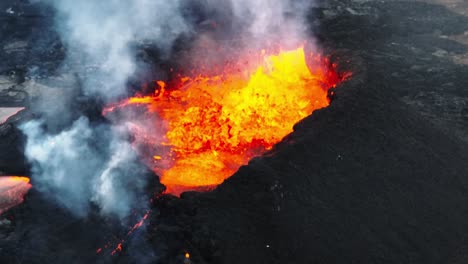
x=12, y=191
x=215, y=124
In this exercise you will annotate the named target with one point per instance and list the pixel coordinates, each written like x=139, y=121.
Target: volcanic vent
x=213, y=124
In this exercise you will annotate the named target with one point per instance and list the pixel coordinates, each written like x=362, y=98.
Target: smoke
x=84, y=164
x=78, y=162
x=279, y=21
x=231, y=29
x=101, y=34
x=74, y=161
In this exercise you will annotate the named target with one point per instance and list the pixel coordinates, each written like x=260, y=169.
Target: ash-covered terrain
x=380, y=176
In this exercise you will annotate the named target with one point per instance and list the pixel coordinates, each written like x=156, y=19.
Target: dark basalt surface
x=380, y=176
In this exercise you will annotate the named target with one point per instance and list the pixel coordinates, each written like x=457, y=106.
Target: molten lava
x=12, y=191
x=215, y=124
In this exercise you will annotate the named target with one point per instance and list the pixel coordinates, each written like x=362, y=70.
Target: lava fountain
x=215, y=124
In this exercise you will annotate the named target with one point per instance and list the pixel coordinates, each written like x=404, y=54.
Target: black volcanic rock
x=362, y=181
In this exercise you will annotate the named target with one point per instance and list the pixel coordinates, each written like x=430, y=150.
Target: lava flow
x=213, y=125
x=12, y=191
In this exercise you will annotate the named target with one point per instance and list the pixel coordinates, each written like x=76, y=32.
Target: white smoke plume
x=101, y=33
x=85, y=163
x=89, y=163
x=282, y=22
x=242, y=27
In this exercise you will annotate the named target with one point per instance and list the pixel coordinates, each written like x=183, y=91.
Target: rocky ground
x=380, y=176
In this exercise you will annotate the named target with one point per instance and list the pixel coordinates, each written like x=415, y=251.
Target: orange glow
x=119, y=246
x=215, y=124
x=139, y=224
x=187, y=255
x=117, y=249
x=12, y=191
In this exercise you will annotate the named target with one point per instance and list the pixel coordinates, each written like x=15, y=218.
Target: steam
x=85, y=163
x=100, y=33
x=242, y=27
x=78, y=162
x=278, y=21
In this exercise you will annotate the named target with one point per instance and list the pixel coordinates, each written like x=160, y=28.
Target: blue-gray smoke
x=87, y=163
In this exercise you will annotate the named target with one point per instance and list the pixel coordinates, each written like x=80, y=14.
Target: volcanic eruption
x=214, y=124
x=197, y=126
x=194, y=130
x=228, y=131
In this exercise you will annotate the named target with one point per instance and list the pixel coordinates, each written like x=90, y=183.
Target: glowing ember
x=117, y=249
x=12, y=191
x=139, y=224
x=215, y=124
x=119, y=246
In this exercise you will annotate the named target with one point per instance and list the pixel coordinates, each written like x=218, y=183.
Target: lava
x=120, y=243
x=215, y=124
x=12, y=191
